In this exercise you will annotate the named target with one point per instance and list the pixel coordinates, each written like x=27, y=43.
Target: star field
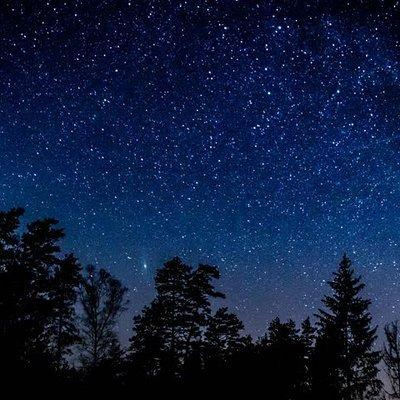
x=259, y=136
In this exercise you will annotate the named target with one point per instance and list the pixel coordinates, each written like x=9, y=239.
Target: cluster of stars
x=258, y=137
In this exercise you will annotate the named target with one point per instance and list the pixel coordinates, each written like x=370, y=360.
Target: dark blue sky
x=259, y=136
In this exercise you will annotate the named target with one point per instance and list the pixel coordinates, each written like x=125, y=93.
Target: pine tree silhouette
x=222, y=336
x=177, y=342
x=167, y=334
x=283, y=354
x=147, y=350
x=223, y=348
x=28, y=262
x=345, y=364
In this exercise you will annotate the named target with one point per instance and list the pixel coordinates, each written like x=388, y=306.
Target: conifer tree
x=148, y=349
x=28, y=262
x=223, y=333
x=172, y=297
x=345, y=362
x=308, y=333
x=40, y=257
x=199, y=292
x=222, y=340
x=283, y=352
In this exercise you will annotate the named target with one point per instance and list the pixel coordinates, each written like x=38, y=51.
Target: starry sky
x=259, y=136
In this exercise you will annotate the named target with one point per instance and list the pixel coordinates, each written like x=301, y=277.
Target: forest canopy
x=53, y=311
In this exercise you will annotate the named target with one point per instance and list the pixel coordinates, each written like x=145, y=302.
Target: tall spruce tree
x=345, y=362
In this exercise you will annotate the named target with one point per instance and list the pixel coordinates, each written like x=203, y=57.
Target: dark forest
x=53, y=311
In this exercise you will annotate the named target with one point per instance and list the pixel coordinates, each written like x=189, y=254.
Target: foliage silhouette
x=170, y=328
x=30, y=303
x=391, y=358
x=102, y=299
x=345, y=364
x=51, y=315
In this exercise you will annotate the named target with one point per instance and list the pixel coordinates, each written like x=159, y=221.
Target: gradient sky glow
x=259, y=136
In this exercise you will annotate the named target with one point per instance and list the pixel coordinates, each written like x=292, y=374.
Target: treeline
x=53, y=312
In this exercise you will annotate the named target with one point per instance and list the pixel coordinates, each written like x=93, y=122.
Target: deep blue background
x=257, y=136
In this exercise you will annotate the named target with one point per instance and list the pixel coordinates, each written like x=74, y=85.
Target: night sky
x=259, y=136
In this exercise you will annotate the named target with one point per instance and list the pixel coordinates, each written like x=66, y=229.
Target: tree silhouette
x=308, y=336
x=345, y=364
x=147, y=350
x=63, y=328
x=13, y=293
x=282, y=354
x=223, y=346
x=222, y=336
x=177, y=342
x=199, y=292
x=28, y=262
x=102, y=299
x=391, y=358
x=172, y=288
x=168, y=331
